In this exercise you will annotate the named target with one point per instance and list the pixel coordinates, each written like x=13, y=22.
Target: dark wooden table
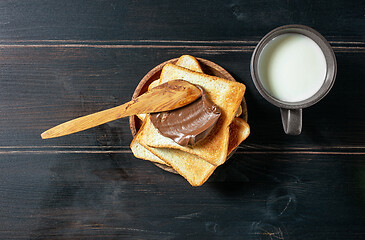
x=63, y=59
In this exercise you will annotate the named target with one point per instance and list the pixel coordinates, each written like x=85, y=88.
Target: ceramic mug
x=291, y=111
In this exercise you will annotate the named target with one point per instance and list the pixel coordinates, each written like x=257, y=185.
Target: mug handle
x=292, y=121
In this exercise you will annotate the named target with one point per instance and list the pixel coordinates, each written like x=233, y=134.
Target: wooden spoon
x=168, y=96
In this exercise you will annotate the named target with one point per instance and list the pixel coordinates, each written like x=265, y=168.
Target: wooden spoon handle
x=83, y=123
x=168, y=96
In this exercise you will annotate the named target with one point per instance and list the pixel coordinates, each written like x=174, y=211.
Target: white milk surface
x=292, y=67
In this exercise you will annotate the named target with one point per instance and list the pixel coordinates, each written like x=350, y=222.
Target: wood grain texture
x=68, y=196
x=43, y=87
x=165, y=97
x=195, y=20
x=63, y=59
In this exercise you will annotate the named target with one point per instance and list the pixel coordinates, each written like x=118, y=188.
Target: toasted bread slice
x=227, y=95
x=239, y=130
x=194, y=169
x=141, y=152
x=138, y=150
x=154, y=84
x=185, y=61
x=189, y=62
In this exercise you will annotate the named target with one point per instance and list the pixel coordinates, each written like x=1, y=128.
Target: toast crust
x=195, y=169
x=138, y=150
x=227, y=97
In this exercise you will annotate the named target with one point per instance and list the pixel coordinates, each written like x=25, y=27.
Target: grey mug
x=291, y=112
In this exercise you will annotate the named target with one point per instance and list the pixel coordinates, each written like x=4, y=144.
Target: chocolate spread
x=189, y=124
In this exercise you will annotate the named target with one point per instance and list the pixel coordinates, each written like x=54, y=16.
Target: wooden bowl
x=208, y=68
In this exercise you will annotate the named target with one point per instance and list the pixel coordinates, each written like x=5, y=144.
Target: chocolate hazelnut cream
x=189, y=124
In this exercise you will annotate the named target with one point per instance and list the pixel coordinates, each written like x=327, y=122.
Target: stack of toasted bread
x=196, y=163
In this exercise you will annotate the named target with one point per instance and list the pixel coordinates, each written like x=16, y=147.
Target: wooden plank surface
x=177, y=20
x=252, y=197
x=45, y=86
x=63, y=59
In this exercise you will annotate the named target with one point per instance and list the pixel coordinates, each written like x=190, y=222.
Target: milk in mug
x=292, y=67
